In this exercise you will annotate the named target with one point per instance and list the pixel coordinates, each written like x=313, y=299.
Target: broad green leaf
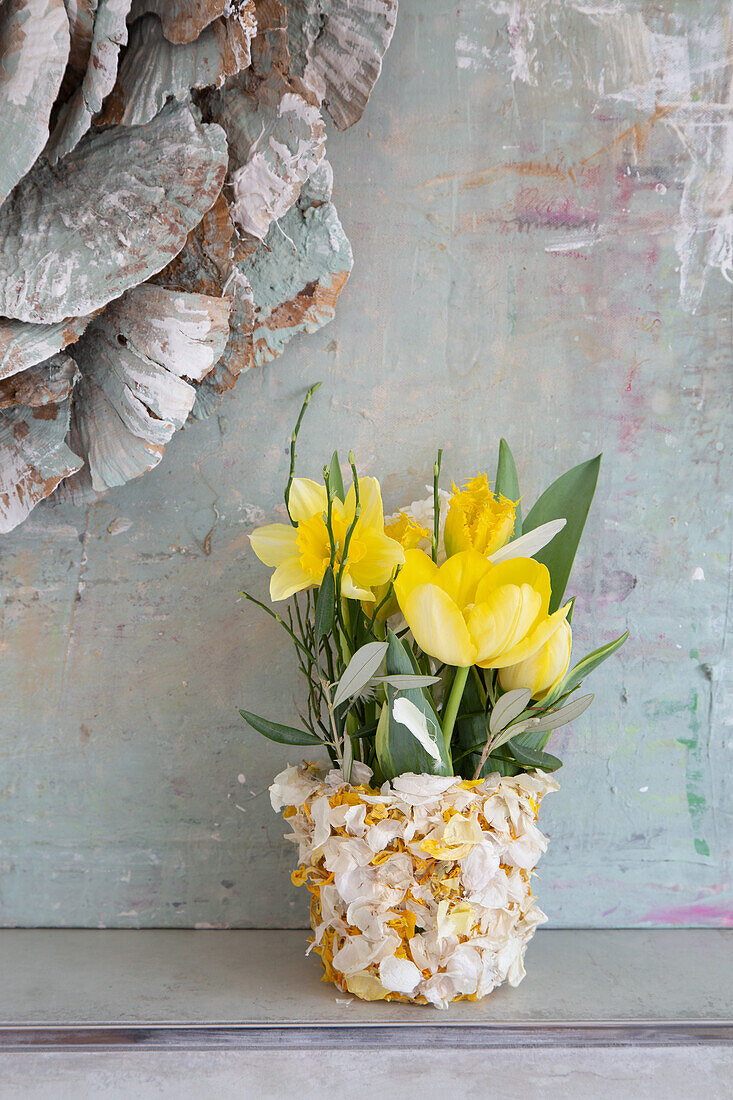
x=396, y=747
x=286, y=735
x=509, y=707
x=567, y=498
x=359, y=670
x=507, y=482
x=534, y=758
x=401, y=683
x=325, y=605
x=586, y=666
x=335, y=477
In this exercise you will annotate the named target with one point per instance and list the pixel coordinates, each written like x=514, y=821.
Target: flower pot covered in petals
x=421, y=891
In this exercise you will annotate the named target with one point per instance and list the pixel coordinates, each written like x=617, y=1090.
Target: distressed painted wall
x=539, y=202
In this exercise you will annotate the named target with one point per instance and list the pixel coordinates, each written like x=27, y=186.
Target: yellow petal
x=438, y=626
x=288, y=578
x=532, y=641
x=274, y=543
x=544, y=669
x=307, y=498
x=517, y=571
x=370, y=503
x=459, y=576
x=381, y=557
x=456, y=534
x=355, y=591
x=418, y=569
x=492, y=623
x=366, y=986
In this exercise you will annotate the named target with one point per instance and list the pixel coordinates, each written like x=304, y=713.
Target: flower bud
x=544, y=669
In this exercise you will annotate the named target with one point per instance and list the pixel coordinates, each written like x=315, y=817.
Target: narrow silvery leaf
x=526, y=546
x=360, y=670
x=402, y=683
x=559, y=717
x=509, y=707
x=348, y=759
x=407, y=714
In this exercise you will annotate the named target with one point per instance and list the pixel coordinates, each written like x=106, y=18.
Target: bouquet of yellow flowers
x=435, y=648
x=435, y=641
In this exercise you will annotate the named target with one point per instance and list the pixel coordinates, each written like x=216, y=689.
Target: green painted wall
x=536, y=207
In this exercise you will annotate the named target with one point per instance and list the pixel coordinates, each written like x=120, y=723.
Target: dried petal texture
x=75, y=116
x=112, y=213
x=44, y=384
x=81, y=31
x=34, y=458
x=296, y=277
x=205, y=266
x=420, y=891
x=276, y=140
x=154, y=69
x=336, y=50
x=182, y=20
x=34, y=47
x=138, y=360
x=23, y=345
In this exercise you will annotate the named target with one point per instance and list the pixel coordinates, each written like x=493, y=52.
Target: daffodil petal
x=370, y=502
x=532, y=641
x=274, y=543
x=459, y=576
x=307, y=498
x=289, y=578
x=418, y=569
x=438, y=626
x=354, y=591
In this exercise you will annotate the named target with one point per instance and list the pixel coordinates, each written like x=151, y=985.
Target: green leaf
x=586, y=666
x=359, y=671
x=567, y=498
x=553, y=719
x=325, y=605
x=507, y=482
x=404, y=682
x=534, y=758
x=285, y=735
x=396, y=747
x=335, y=477
x=509, y=707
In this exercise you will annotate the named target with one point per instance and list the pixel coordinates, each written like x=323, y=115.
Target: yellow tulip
x=541, y=672
x=409, y=534
x=468, y=611
x=478, y=519
x=301, y=554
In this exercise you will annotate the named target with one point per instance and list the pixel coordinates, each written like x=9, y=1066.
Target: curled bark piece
x=336, y=51
x=137, y=360
x=296, y=277
x=23, y=345
x=47, y=383
x=34, y=47
x=34, y=458
x=276, y=139
x=75, y=116
x=108, y=216
x=182, y=20
x=154, y=69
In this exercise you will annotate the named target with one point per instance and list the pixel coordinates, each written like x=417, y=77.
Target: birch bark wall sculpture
x=165, y=216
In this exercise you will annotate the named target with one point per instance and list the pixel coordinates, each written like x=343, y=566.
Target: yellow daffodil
x=301, y=554
x=541, y=672
x=409, y=534
x=468, y=611
x=478, y=519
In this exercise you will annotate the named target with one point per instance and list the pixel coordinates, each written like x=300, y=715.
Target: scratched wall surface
x=539, y=198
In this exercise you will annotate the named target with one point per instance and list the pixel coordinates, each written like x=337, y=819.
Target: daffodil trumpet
x=434, y=641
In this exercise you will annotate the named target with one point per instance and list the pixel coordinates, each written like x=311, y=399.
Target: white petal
x=526, y=546
x=407, y=714
x=399, y=975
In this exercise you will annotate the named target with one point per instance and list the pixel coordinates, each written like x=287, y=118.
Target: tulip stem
x=454, y=701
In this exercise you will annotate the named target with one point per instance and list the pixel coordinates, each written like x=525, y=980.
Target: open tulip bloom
x=437, y=641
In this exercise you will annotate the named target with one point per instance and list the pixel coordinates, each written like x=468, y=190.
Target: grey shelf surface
x=82, y=988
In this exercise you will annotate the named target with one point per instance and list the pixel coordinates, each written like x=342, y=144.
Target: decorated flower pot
x=421, y=890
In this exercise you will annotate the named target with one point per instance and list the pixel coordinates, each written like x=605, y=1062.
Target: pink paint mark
x=713, y=915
